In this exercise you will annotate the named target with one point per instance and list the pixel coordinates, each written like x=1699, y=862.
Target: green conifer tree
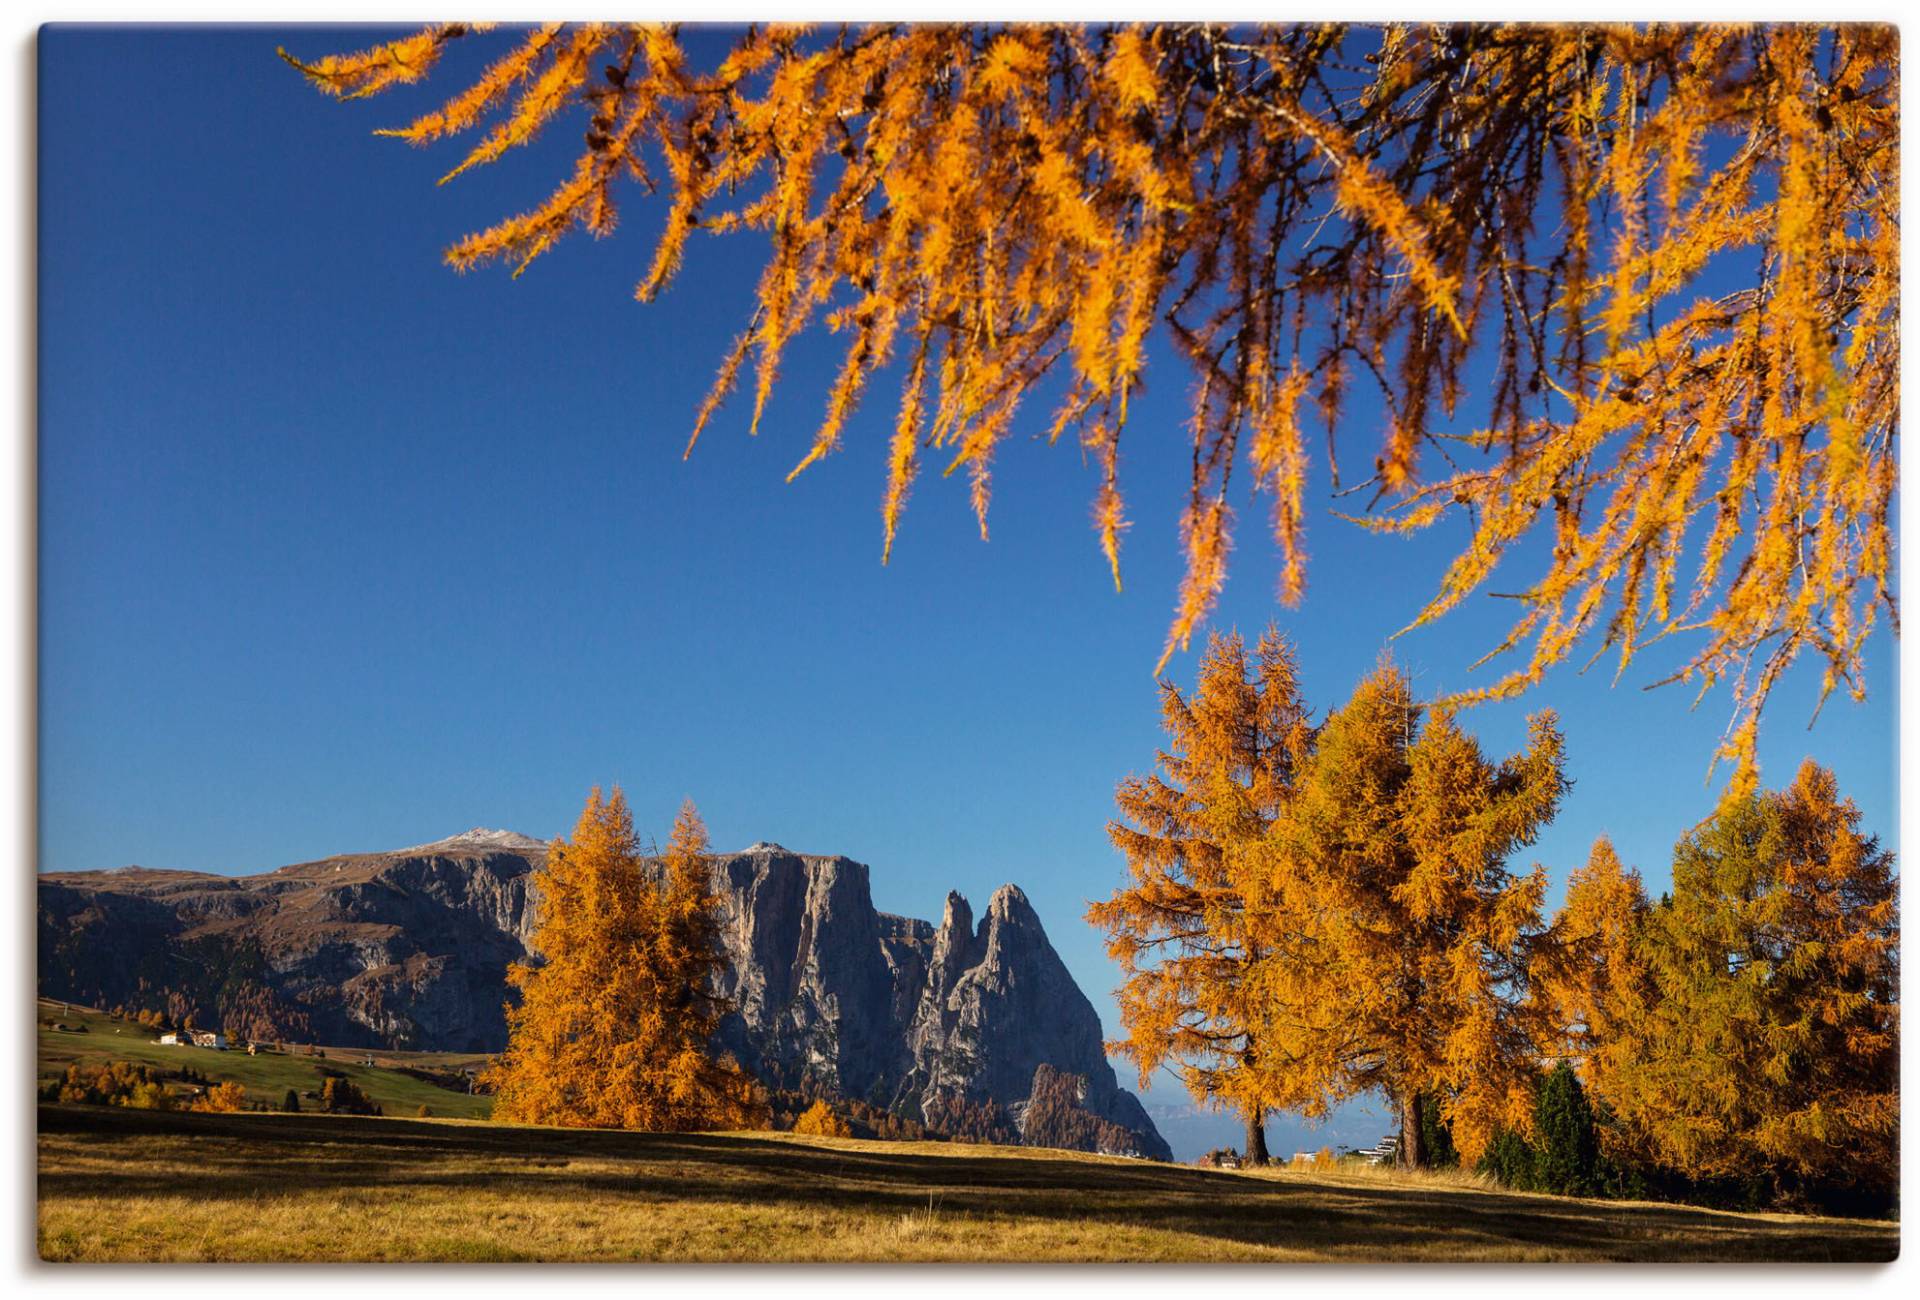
x=1566, y=1151
x=1509, y=1160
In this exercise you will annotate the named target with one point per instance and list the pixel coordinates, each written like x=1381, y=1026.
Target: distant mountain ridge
x=951, y=1024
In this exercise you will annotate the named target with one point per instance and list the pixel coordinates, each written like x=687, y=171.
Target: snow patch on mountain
x=480, y=838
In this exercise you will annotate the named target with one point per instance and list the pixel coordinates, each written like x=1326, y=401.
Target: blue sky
x=343, y=551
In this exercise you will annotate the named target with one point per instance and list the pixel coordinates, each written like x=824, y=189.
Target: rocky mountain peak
x=1009, y=905
x=957, y=916
x=920, y=1020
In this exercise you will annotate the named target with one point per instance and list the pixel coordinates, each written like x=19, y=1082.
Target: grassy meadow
x=127, y=1185
x=266, y=1077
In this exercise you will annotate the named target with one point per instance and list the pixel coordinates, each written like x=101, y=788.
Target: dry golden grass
x=1355, y=1171
x=131, y=1185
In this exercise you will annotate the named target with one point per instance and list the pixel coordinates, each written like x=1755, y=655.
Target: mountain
x=406, y=949
x=900, y=1013
x=974, y=1029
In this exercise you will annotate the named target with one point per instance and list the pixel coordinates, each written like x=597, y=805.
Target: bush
x=148, y=1096
x=820, y=1121
x=117, y=1083
x=339, y=1096
x=426, y=1111
x=223, y=1099
x=291, y=1102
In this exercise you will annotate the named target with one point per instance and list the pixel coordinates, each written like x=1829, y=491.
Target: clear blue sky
x=343, y=551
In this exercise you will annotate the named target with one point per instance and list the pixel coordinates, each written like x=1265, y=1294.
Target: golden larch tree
x=1179, y=928
x=1632, y=287
x=1588, y=973
x=614, y=1024
x=1394, y=951
x=689, y=960
x=819, y=1120
x=1762, y=1038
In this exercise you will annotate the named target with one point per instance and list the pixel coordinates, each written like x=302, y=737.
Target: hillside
x=137, y=1185
x=405, y=949
x=266, y=1077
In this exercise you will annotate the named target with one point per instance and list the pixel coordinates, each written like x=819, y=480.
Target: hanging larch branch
x=1669, y=256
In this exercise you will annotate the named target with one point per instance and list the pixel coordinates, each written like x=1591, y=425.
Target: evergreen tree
x=1510, y=1160
x=1180, y=928
x=1436, y=1136
x=1568, y=1155
x=614, y=1025
x=1566, y=1151
x=291, y=1102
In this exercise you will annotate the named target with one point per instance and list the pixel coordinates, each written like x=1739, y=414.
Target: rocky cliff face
x=406, y=950
x=963, y=1025
x=899, y=1014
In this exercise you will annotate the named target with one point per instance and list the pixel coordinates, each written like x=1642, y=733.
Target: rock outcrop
x=967, y=1027
x=901, y=1015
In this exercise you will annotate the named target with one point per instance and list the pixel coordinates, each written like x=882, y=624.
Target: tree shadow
x=241, y=1157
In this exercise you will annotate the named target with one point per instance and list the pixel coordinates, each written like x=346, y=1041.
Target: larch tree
x=1764, y=1040
x=703, y=1087
x=1668, y=256
x=614, y=1023
x=1591, y=989
x=1394, y=951
x=1180, y=927
x=1588, y=973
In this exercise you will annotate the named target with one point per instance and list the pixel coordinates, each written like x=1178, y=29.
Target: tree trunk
x=1413, y=1147
x=1256, y=1138
x=1256, y=1154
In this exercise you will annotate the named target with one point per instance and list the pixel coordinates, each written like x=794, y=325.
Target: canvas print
x=968, y=642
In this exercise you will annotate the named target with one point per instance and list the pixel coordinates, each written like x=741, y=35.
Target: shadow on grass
x=247, y=1156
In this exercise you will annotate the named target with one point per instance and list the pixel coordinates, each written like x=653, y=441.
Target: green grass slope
x=266, y=1077
x=129, y=1185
